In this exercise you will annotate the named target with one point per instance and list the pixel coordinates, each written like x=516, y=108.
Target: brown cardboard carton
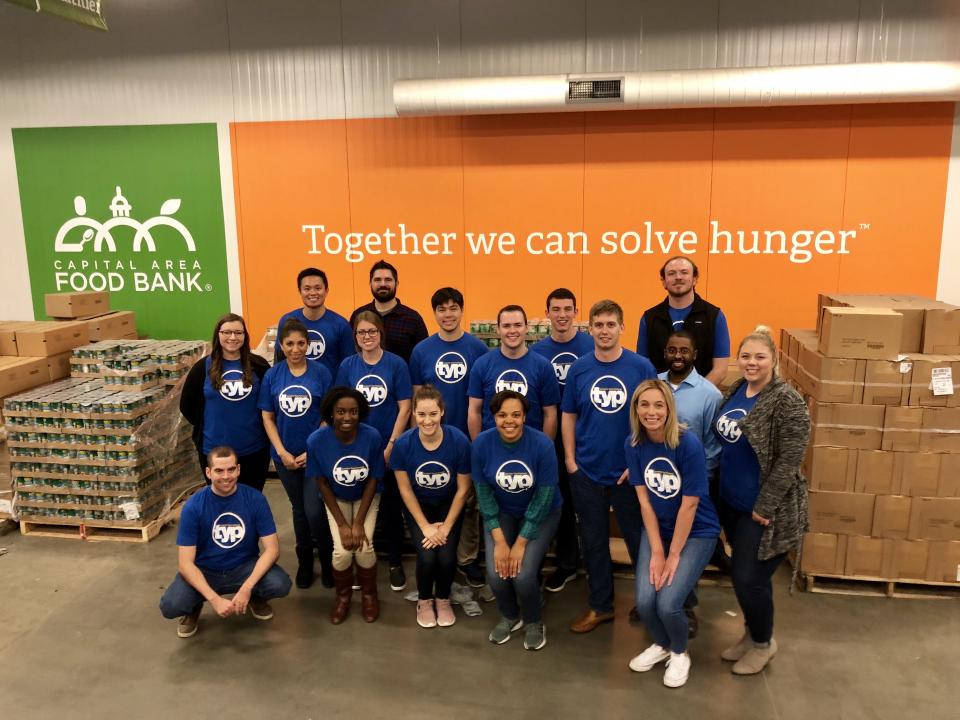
x=841, y=513
x=800, y=339
x=76, y=304
x=901, y=428
x=786, y=367
x=830, y=468
x=921, y=392
x=869, y=557
x=17, y=374
x=8, y=335
x=823, y=554
x=912, y=307
x=58, y=366
x=941, y=330
x=940, y=431
x=917, y=474
x=943, y=562
x=830, y=379
x=934, y=519
x=113, y=326
x=867, y=333
x=846, y=425
x=875, y=472
x=891, y=516
x=910, y=559
x=949, y=479
x=886, y=382
x=43, y=339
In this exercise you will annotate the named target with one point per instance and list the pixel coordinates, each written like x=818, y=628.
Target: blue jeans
x=436, y=566
x=662, y=611
x=310, y=526
x=520, y=596
x=181, y=598
x=592, y=503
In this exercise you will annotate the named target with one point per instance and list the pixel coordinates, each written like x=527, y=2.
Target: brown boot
x=343, y=583
x=367, y=577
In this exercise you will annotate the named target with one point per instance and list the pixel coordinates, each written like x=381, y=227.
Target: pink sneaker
x=426, y=617
x=445, y=616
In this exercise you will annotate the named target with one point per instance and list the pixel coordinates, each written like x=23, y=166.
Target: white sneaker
x=678, y=670
x=648, y=658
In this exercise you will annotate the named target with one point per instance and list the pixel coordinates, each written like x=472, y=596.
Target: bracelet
x=390, y=442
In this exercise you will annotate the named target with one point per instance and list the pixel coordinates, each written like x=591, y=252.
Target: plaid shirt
x=404, y=326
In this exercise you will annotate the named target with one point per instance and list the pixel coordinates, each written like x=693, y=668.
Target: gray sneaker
x=501, y=633
x=534, y=636
x=187, y=627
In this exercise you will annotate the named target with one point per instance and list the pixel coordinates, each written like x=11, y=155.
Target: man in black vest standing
x=684, y=309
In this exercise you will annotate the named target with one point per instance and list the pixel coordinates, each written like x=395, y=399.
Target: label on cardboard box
x=941, y=381
x=131, y=510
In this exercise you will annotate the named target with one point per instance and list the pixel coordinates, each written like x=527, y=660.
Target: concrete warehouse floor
x=81, y=637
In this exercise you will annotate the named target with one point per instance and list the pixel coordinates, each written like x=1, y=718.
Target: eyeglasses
x=233, y=333
x=367, y=333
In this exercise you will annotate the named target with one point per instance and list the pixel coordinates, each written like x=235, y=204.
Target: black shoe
x=304, y=577
x=326, y=575
x=693, y=624
x=398, y=578
x=558, y=579
x=473, y=574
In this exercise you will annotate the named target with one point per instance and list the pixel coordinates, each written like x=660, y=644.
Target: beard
x=385, y=294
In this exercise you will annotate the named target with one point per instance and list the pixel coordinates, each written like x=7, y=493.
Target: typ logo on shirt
x=316, y=345
x=350, y=470
x=608, y=394
x=727, y=427
x=295, y=400
x=514, y=476
x=661, y=478
x=233, y=388
x=374, y=389
x=228, y=530
x=561, y=365
x=451, y=367
x=511, y=380
x=432, y=475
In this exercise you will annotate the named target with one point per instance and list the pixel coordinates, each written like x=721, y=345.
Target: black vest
x=701, y=323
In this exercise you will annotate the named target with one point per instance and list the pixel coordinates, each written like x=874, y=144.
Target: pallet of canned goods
x=537, y=329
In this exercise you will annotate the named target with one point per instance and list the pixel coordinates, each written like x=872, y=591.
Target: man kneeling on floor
x=220, y=530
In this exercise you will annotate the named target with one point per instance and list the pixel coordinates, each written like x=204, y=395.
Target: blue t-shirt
x=563, y=355
x=446, y=366
x=531, y=375
x=230, y=415
x=721, y=334
x=599, y=393
x=515, y=472
x=383, y=384
x=225, y=530
x=739, y=467
x=329, y=339
x=432, y=473
x=669, y=474
x=295, y=403
x=345, y=467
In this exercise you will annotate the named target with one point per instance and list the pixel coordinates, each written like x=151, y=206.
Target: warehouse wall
x=244, y=60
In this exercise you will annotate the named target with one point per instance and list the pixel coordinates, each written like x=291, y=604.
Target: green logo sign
x=134, y=210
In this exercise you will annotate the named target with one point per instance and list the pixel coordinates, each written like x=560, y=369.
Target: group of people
x=372, y=424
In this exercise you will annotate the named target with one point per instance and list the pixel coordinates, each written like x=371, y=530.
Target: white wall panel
x=903, y=30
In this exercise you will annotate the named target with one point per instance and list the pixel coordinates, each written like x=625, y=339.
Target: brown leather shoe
x=589, y=621
x=370, y=603
x=343, y=583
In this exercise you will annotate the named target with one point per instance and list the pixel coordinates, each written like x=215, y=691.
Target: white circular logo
x=374, y=389
x=451, y=367
x=350, y=470
x=295, y=400
x=316, y=345
x=228, y=530
x=511, y=380
x=432, y=475
x=608, y=394
x=514, y=476
x=232, y=388
x=661, y=478
x=561, y=365
x=727, y=427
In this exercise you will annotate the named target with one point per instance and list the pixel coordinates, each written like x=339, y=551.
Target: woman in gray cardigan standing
x=763, y=426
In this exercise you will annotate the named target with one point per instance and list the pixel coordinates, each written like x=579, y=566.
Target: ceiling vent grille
x=590, y=91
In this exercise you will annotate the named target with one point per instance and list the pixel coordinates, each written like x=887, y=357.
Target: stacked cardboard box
x=94, y=309
x=883, y=386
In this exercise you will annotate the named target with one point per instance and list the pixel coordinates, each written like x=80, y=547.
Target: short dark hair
x=221, y=451
x=384, y=265
x=512, y=308
x=337, y=393
x=663, y=268
x=685, y=334
x=445, y=295
x=497, y=401
x=312, y=272
x=562, y=294
x=291, y=326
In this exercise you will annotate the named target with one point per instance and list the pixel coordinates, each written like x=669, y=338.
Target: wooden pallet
x=878, y=587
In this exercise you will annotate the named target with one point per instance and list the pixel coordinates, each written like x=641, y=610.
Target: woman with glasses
x=384, y=380
x=220, y=397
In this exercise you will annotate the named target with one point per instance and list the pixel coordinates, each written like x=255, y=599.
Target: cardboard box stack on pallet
x=881, y=376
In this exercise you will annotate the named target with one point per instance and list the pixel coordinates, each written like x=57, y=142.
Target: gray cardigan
x=778, y=429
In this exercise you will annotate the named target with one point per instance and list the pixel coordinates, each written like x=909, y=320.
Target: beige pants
x=469, y=546
x=365, y=557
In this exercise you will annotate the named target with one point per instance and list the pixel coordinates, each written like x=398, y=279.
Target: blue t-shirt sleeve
x=265, y=401
x=398, y=458
x=463, y=455
x=264, y=518
x=642, y=338
x=313, y=456
x=721, y=337
x=416, y=372
x=568, y=403
x=549, y=385
x=547, y=460
x=693, y=467
x=188, y=527
x=475, y=383
x=711, y=444
x=343, y=376
x=401, y=381
x=649, y=371
x=476, y=465
x=632, y=454
x=346, y=344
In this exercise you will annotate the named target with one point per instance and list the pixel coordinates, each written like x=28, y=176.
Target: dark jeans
x=752, y=578
x=568, y=546
x=310, y=526
x=253, y=468
x=181, y=598
x=435, y=566
x=390, y=520
x=520, y=596
x=592, y=503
